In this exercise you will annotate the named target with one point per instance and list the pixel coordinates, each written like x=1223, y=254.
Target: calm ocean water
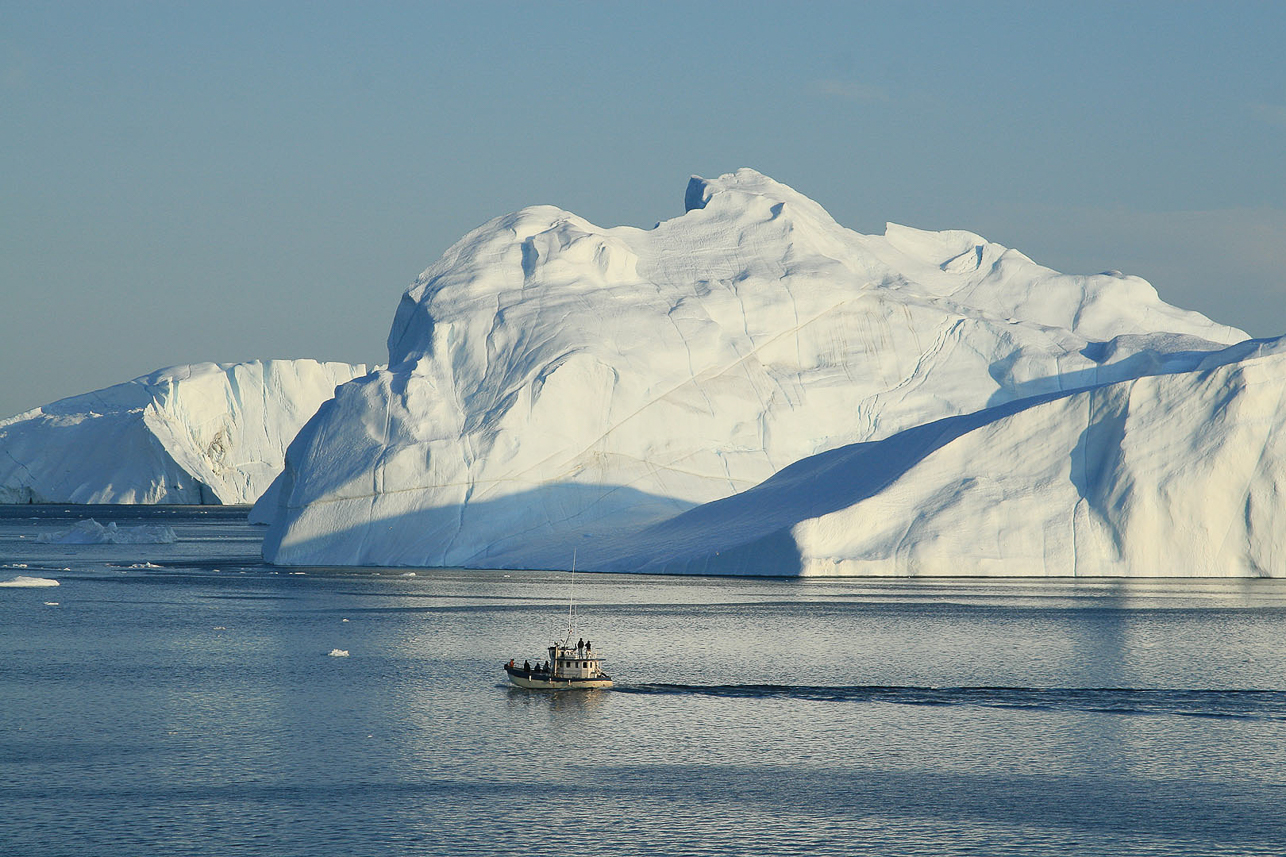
x=181, y=700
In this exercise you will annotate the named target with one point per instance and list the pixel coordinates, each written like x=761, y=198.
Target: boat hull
x=537, y=681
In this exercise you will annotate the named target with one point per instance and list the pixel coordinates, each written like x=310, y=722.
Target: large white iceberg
x=555, y=386
x=202, y=433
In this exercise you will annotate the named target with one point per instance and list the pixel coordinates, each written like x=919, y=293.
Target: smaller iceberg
x=337, y=653
x=200, y=433
x=22, y=581
x=90, y=532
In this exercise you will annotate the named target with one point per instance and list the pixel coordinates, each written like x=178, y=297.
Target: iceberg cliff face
x=1171, y=475
x=552, y=384
x=203, y=433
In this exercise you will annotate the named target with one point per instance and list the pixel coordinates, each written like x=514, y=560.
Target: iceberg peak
x=748, y=190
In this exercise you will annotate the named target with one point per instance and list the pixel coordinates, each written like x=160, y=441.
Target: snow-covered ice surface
x=556, y=386
x=201, y=433
x=90, y=532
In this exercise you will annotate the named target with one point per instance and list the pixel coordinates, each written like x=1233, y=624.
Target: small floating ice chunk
x=409, y=574
x=22, y=581
x=338, y=653
x=90, y=532
x=15, y=565
x=51, y=603
x=343, y=620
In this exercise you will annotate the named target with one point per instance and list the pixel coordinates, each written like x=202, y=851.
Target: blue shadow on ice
x=624, y=530
x=749, y=533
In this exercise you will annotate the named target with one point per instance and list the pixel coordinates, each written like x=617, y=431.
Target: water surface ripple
x=181, y=700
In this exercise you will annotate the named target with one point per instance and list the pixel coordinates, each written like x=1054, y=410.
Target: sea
x=188, y=699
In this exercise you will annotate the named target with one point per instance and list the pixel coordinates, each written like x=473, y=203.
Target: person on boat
x=526, y=665
x=580, y=644
x=588, y=645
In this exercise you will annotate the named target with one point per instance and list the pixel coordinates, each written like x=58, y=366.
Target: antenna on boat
x=570, y=597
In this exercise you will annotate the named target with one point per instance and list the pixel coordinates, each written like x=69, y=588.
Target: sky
x=187, y=182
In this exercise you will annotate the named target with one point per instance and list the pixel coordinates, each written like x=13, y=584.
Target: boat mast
x=570, y=598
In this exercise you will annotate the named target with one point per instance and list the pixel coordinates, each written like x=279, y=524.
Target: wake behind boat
x=568, y=668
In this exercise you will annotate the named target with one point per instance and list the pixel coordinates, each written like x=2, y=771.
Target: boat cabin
x=574, y=663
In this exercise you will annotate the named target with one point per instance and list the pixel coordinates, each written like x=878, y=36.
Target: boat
x=567, y=667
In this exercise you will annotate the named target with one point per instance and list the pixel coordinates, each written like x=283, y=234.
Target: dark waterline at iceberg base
x=179, y=699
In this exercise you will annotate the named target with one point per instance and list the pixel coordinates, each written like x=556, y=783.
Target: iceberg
x=201, y=433
x=90, y=532
x=554, y=386
x=23, y=581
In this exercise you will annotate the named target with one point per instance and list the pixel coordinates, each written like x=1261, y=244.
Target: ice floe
x=23, y=581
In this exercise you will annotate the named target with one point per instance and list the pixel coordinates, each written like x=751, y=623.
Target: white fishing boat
x=567, y=667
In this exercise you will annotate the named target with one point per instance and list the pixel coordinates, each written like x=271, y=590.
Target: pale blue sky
x=183, y=181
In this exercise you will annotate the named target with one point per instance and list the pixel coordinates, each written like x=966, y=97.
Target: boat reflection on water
x=559, y=705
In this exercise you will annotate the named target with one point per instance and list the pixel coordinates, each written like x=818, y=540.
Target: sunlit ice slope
x=551, y=382
x=200, y=433
x=1178, y=475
